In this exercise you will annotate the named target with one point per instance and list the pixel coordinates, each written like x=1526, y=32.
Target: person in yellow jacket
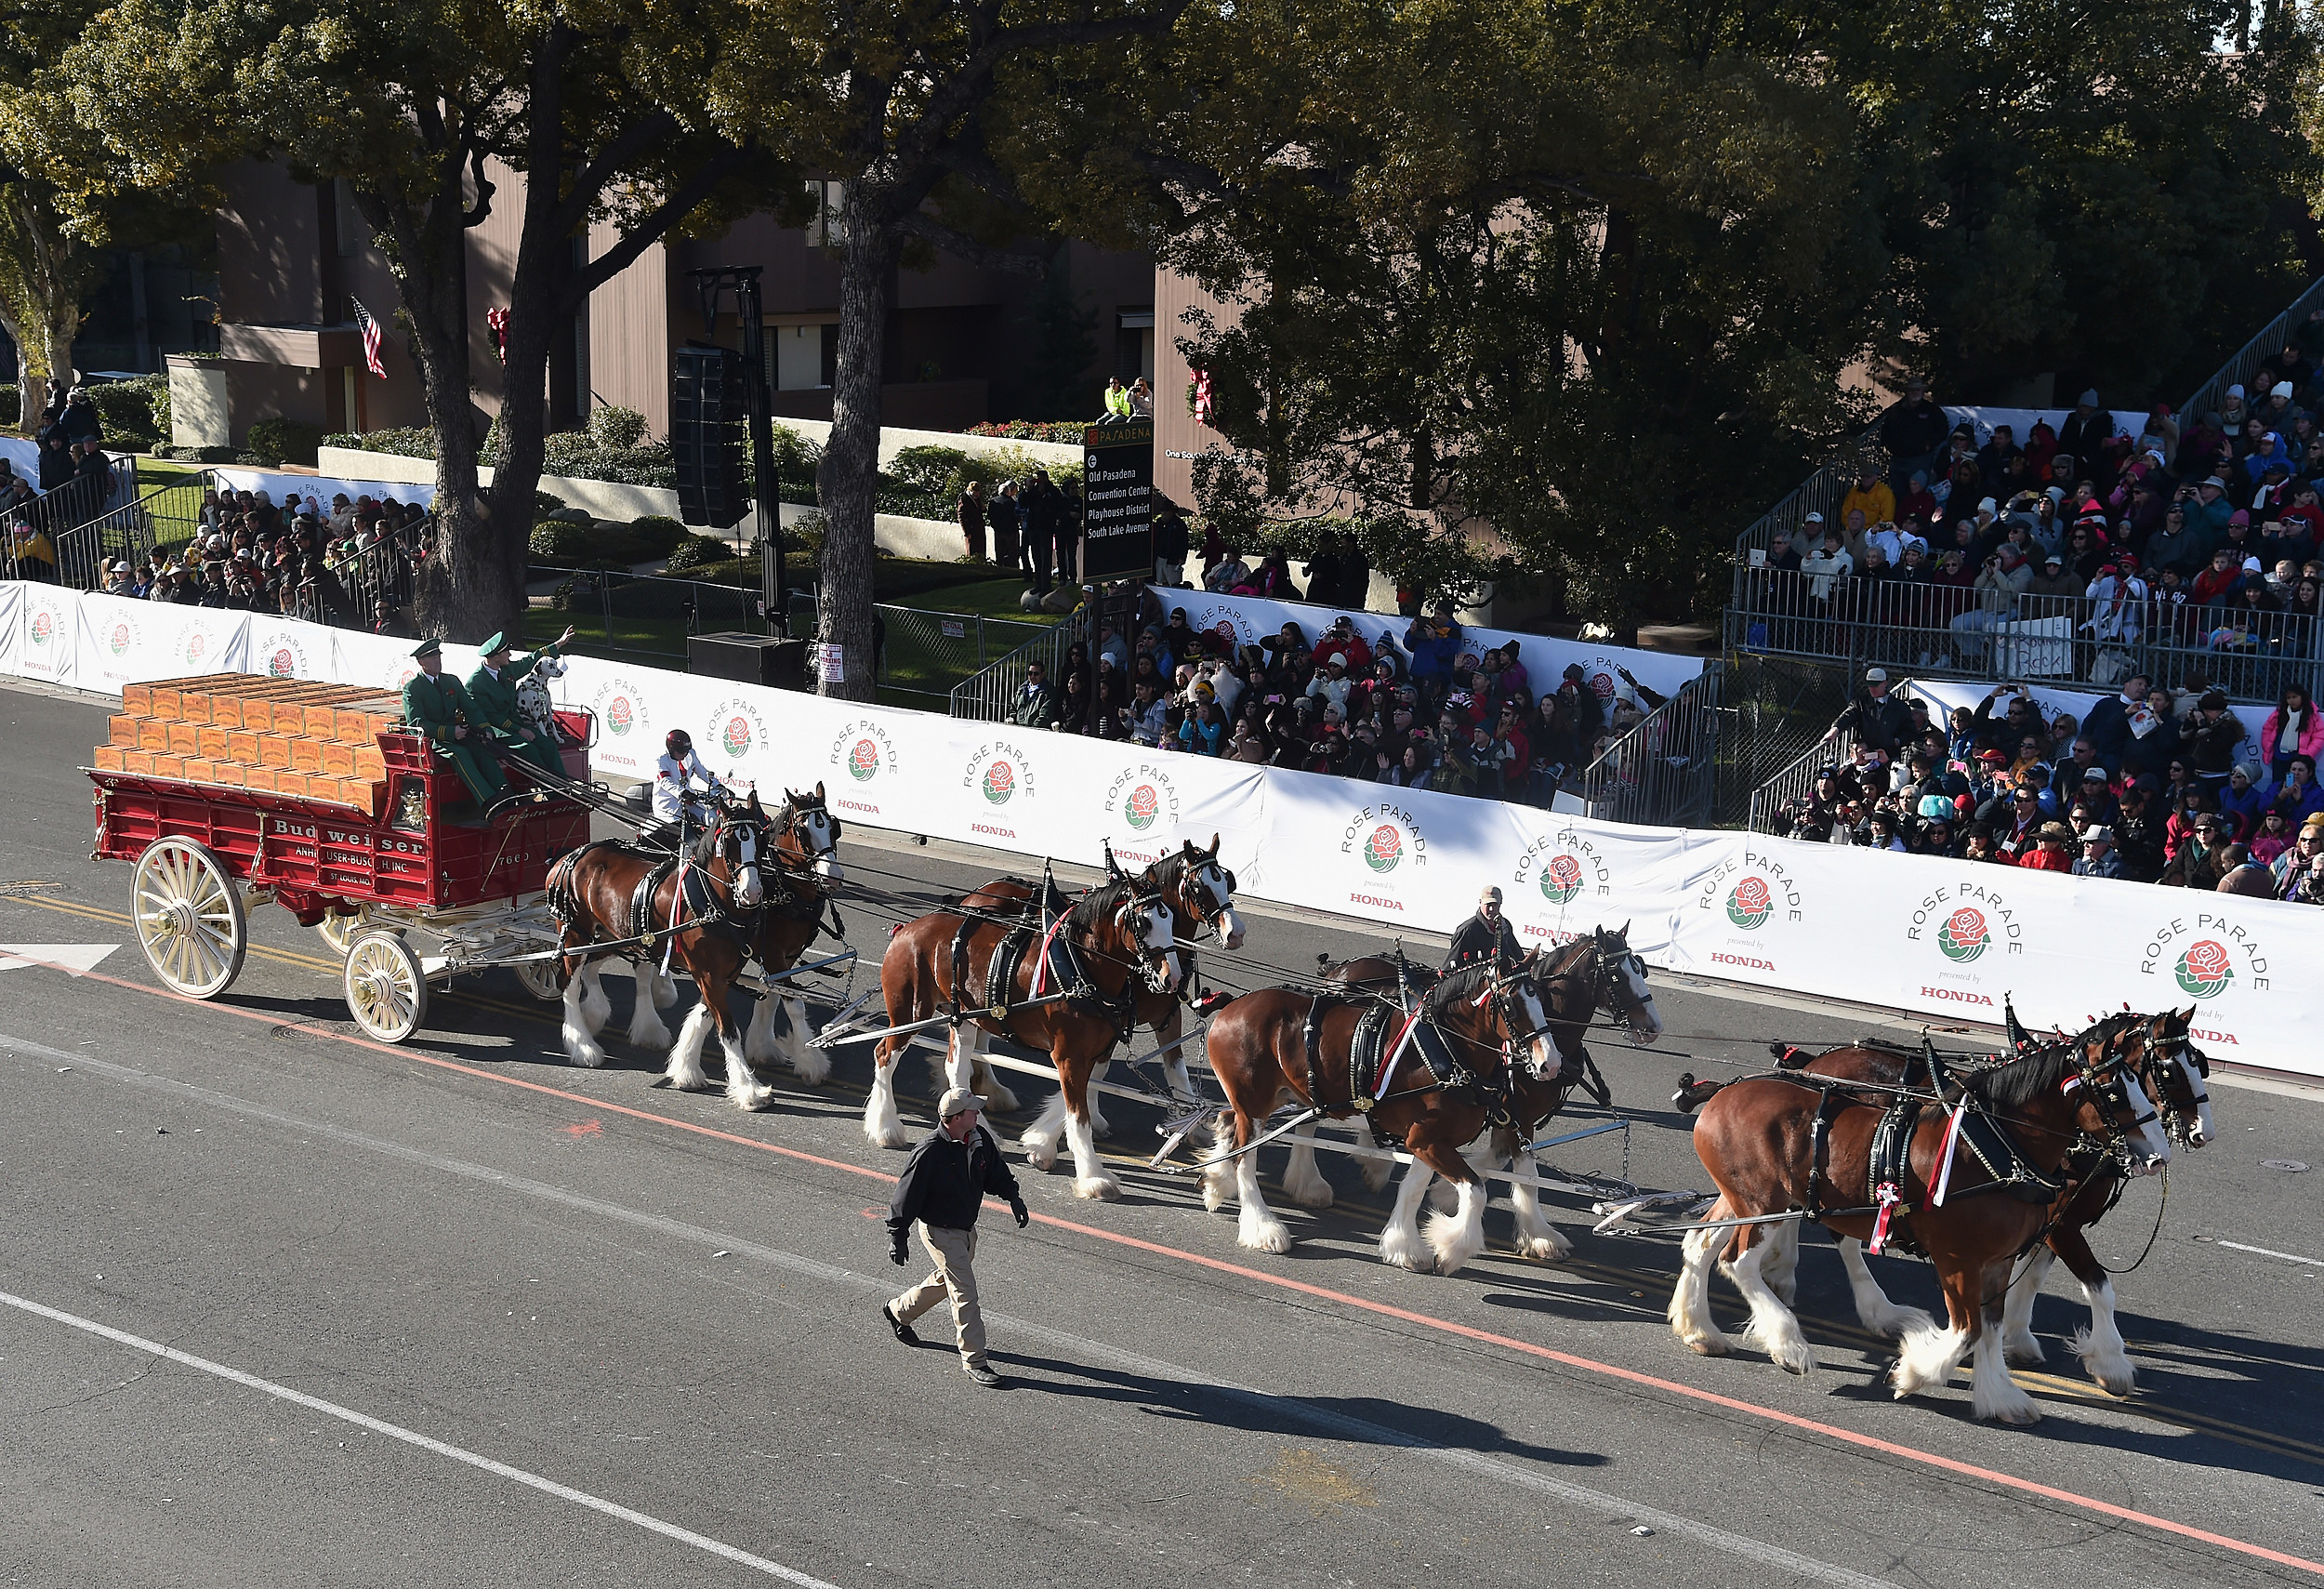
x=1116, y=403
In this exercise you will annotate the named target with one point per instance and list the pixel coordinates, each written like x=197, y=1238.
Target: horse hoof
x=811, y=1073
x=1098, y=1126
x=756, y=1103
x=1100, y=1188
x=1707, y=1345
x=1316, y=1196
x=1545, y=1249
x=2024, y=1351
x=2019, y=1417
x=1272, y=1237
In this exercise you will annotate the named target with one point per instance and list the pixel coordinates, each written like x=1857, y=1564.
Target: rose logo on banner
x=1143, y=807
x=1750, y=903
x=863, y=762
x=280, y=653
x=280, y=664
x=861, y=749
x=1383, y=837
x=1561, y=880
x=999, y=773
x=1385, y=848
x=621, y=706
x=2205, y=970
x=122, y=638
x=620, y=715
x=1964, y=936
x=43, y=627
x=1000, y=782
x=194, y=647
x=737, y=728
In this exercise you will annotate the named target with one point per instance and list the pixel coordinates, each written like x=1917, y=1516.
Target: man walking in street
x=941, y=1192
x=1484, y=938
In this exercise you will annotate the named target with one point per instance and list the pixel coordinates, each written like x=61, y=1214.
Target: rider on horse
x=681, y=781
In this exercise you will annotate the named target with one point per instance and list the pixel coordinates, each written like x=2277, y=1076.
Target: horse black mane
x=2014, y=1085
x=1097, y=907
x=1462, y=983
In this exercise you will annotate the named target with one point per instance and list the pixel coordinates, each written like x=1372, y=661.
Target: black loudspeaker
x=708, y=409
x=748, y=658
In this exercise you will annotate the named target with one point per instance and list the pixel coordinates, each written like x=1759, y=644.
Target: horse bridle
x=1149, y=959
x=794, y=815
x=2105, y=1080
x=2177, y=1052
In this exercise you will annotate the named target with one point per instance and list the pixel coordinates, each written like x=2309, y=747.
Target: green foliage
x=796, y=461
x=284, y=441
x=699, y=551
x=402, y=444
x=616, y=430
x=560, y=542
x=576, y=455
x=204, y=455
x=1067, y=432
x=544, y=504
x=1061, y=343
x=10, y=405
x=658, y=532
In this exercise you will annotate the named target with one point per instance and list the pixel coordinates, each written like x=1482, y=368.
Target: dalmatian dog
x=533, y=701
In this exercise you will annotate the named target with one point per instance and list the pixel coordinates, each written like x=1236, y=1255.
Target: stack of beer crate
x=284, y=736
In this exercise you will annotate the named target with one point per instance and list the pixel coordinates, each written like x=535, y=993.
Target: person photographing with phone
x=940, y=1193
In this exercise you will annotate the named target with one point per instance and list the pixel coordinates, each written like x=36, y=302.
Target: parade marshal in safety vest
x=439, y=707
x=493, y=689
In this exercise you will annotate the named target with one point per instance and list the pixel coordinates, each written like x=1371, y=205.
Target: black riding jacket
x=944, y=1181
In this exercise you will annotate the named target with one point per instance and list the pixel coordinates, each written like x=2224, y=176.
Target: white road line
x=411, y=1437
x=2269, y=1252
x=1328, y=1422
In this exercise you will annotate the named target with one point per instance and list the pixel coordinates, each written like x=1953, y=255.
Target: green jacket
x=497, y=699
x=430, y=705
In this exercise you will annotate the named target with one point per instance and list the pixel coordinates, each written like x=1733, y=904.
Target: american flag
x=370, y=329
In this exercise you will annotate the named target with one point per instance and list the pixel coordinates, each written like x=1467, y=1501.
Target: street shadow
x=1363, y=1419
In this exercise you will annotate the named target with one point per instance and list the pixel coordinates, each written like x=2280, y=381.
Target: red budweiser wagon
x=230, y=790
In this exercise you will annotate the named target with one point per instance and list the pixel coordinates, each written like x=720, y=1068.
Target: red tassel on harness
x=1890, y=1200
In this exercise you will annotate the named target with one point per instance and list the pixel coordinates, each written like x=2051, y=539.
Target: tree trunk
x=43, y=274
x=848, y=482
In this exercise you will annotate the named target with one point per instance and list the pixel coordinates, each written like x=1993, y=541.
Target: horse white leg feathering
x=2019, y=1343
x=1536, y=1237
x=2100, y=1344
x=580, y=1045
x=1874, y=1311
x=685, y=1070
x=1089, y=1177
x=1459, y=1237
x=1400, y=1240
x=1773, y=1328
x=809, y=1063
x=646, y=1029
x=1926, y=1358
x=1257, y=1227
x=1097, y=1113
x=1039, y=1140
x=1690, y=1300
x=664, y=989
x=1992, y=1394
x=1302, y=1182
x=960, y=1057
x=744, y=1090
x=596, y=1008
x=1781, y=1267
x=881, y=1123
x=760, y=1043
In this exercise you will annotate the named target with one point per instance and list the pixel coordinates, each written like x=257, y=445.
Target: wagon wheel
x=340, y=931
x=539, y=978
x=387, y=992
x=189, y=916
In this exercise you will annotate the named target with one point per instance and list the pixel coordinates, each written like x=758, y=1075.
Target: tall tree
x=418, y=108
x=917, y=108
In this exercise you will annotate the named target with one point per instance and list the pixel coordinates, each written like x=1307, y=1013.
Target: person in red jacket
x=2050, y=850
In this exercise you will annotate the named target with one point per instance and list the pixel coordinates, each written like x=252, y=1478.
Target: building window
x=829, y=229
x=802, y=354
x=1133, y=343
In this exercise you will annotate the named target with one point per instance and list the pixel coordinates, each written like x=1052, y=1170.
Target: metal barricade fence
x=1660, y=772
x=91, y=525
x=1796, y=782
x=987, y=695
x=2003, y=637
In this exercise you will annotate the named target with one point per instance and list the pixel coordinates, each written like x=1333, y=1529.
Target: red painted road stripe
x=1322, y=1293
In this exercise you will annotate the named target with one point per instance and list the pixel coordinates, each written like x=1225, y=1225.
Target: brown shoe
x=905, y=1332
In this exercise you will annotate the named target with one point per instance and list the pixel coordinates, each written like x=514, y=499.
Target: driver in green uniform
x=493, y=689
x=439, y=707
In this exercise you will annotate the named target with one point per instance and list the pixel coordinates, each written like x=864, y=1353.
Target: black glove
x=899, y=1253
x=1018, y=1209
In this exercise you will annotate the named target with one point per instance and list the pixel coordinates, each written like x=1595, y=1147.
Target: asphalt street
x=279, y=1305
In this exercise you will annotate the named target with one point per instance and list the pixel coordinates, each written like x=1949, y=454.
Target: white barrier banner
x=1907, y=932
x=2021, y=421
x=48, y=620
x=1945, y=695
x=1245, y=620
x=11, y=603
x=283, y=488
x=292, y=648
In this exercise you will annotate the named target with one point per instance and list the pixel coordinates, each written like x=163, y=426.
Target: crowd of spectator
x=2148, y=787
x=348, y=564
x=72, y=482
x=1438, y=711
x=2201, y=534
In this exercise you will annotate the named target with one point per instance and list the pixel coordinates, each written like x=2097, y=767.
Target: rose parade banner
x=1943, y=939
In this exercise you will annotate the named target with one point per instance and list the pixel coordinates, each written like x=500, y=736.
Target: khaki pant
x=953, y=1250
